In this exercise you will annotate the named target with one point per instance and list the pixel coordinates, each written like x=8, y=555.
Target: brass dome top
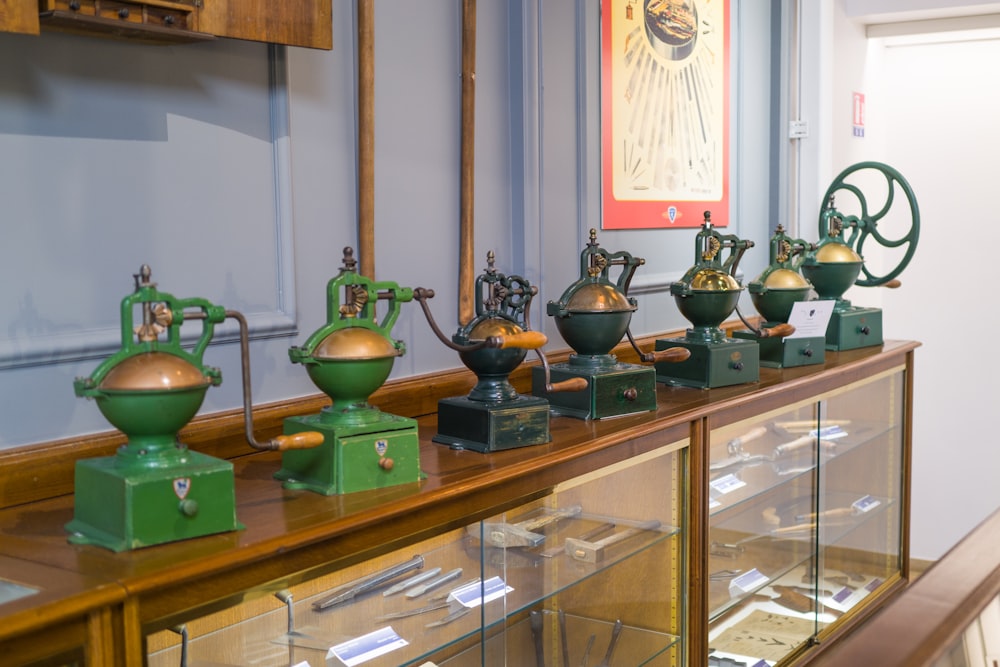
x=353, y=343
x=713, y=280
x=154, y=371
x=785, y=279
x=494, y=326
x=836, y=253
x=598, y=297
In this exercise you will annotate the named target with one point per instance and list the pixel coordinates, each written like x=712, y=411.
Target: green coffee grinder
x=154, y=489
x=593, y=315
x=838, y=259
x=706, y=295
x=774, y=292
x=348, y=359
x=494, y=416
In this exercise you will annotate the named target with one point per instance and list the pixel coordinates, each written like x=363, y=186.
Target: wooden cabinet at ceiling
x=19, y=16
x=294, y=22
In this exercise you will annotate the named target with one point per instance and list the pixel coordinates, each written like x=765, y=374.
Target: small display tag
x=747, y=582
x=810, y=318
x=469, y=594
x=842, y=594
x=829, y=432
x=727, y=483
x=713, y=503
x=873, y=584
x=362, y=649
x=865, y=504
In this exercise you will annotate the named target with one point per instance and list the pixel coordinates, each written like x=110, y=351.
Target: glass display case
x=806, y=518
x=593, y=568
x=670, y=537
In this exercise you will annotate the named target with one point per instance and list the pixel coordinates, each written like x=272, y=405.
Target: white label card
x=865, y=504
x=727, y=483
x=472, y=595
x=747, y=582
x=364, y=648
x=811, y=317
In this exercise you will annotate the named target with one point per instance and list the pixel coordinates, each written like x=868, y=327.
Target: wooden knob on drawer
x=386, y=464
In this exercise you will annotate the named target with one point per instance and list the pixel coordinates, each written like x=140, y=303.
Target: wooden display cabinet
x=652, y=472
x=306, y=23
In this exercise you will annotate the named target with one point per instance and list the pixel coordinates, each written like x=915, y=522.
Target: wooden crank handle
x=778, y=331
x=301, y=440
x=671, y=354
x=893, y=284
x=527, y=340
x=572, y=384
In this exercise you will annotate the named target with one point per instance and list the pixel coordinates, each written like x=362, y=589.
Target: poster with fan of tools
x=664, y=112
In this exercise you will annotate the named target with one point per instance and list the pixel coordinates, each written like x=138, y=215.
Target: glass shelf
x=588, y=641
x=737, y=483
x=531, y=576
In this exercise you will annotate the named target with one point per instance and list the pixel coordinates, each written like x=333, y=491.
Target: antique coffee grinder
x=154, y=489
x=593, y=315
x=774, y=292
x=494, y=416
x=706, y=295
x=838, y=260
x=348, y=359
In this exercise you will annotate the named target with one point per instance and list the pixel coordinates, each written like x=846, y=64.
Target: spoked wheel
x=866, y=224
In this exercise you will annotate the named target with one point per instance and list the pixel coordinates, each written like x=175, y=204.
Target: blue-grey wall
x=230, y=168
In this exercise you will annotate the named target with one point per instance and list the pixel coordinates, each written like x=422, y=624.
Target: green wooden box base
x=352, y=457
x=854, y=328
x=123, y=507
x=717, y=364
x=622, y=389
x=490, y=427
x=787, y=352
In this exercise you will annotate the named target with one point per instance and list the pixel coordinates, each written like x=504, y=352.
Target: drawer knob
x=123, y=13
x=386, y=464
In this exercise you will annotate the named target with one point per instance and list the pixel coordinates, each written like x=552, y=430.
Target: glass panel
x=762, y=490
x=618, y=558
x=597, y=562
x=861, y=486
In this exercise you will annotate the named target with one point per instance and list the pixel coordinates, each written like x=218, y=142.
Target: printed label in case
x=727, y=483
x=364, y=648
x=747, y=582
x=474, y=594
x=866, y=504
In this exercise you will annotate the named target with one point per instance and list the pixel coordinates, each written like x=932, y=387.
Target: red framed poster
x=664, y=112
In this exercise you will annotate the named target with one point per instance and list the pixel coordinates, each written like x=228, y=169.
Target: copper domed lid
x=785, y=279
x=494, y=326
x=713, y=280
x=354, y=343
x=154, y=371
x=836, y=253
x=598, y=297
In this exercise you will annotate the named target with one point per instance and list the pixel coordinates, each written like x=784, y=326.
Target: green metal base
x=613, y=389
x=122, y=507
x=712, y=364
x=384, y=451
x=853, y=328
x=787, y=352
x=490, y=427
